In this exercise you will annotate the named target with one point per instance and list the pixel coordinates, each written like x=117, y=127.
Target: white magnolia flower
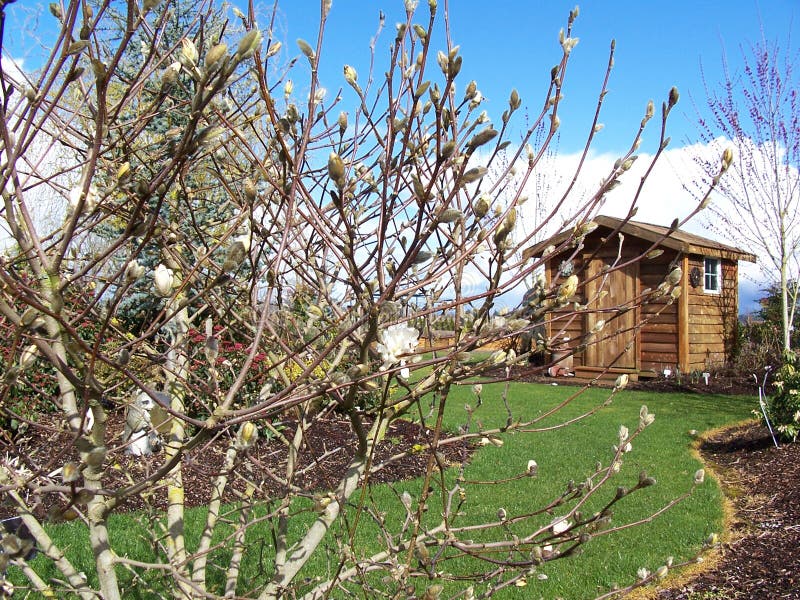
x=395, y=341
x=133, y=270
x=476, y=100
x=164, y=279
x=499, y=322
x=319, y=95
x=75, y=195
x=15, y=464
x=621, y=382
x=560, y=526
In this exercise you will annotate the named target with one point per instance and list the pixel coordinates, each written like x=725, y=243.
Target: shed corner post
x=683, y=318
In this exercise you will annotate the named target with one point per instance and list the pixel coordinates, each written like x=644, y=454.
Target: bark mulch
x=762, y=557
x=330, y=446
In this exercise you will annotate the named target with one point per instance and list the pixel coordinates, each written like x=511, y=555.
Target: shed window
x=712, y=279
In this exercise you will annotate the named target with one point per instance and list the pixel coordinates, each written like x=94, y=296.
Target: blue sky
x=513, y=43
x=509, y=44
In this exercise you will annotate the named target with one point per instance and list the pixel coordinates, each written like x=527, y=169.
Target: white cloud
x=672, y=189
x=663, y=197
x=44, y=167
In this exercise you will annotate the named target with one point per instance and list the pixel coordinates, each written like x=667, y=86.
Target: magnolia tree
x=300, y=247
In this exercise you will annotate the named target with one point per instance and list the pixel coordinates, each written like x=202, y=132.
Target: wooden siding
x=659, y=336
x=564, y=329
x=695, y=332
x=711, y=318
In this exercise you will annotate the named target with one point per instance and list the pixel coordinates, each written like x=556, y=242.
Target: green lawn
x=663, y=451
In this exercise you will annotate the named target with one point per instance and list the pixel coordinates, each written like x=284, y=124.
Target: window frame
x=716, y=275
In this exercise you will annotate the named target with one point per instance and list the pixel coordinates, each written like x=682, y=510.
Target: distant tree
x=771, y=310
x=757, y=110
x=296, y=296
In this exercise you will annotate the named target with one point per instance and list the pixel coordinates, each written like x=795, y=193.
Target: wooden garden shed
x=695, y=331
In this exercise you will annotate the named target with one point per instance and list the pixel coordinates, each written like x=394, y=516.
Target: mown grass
x=663, y=451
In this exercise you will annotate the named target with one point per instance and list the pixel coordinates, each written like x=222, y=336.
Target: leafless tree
x=283, y=242
x=756, y=111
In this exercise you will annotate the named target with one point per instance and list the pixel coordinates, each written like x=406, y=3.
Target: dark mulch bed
x=330, y=447
x=762, y=558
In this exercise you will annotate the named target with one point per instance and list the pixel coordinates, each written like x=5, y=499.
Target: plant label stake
x=763, y=406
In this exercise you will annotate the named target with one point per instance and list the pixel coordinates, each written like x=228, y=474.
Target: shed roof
x=688, y=243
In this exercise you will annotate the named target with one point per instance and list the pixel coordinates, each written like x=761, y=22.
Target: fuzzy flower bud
x=727, y=158
x=148, y=5
x=350, y=75
x=673, y=96
x=336, y=169
x=249, y=44
x=450, y=215
x=674, y=277
x=568, y=289
x=70, y=472
x=273, y=49
x=171, y=73
x=250, y=190
x=481, y=206
x=247, y=436
x=306, y=49
x=217, y=53
x=189, y=55
x=645, y=417
x=650, y=110
x=237, y=252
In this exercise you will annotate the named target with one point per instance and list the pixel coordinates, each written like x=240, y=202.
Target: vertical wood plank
x=683, y=318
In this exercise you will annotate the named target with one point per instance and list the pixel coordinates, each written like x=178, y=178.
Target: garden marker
x=763, y=406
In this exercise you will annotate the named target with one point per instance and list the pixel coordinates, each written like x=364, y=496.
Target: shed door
x=619, y=328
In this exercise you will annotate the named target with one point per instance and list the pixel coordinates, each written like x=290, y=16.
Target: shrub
x=784, y=406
